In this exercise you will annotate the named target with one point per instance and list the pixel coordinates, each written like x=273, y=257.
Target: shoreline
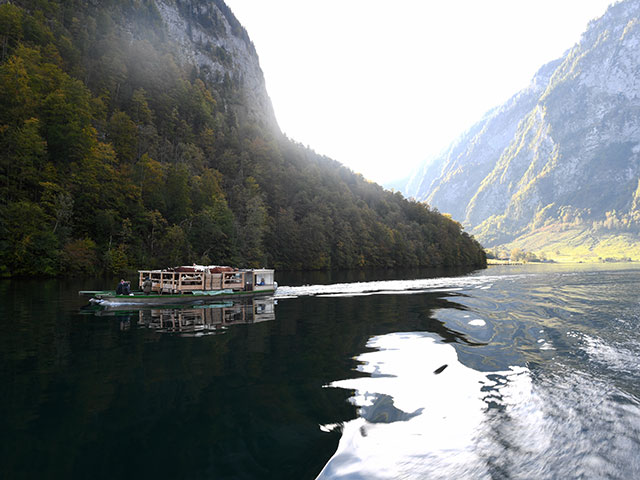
x=493, y=262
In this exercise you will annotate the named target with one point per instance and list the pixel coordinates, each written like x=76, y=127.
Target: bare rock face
x=566, y=149
x=211, y=39
x=451, y=180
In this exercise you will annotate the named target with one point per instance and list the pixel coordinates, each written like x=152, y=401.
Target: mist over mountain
x=140, y=134
x=556, y=169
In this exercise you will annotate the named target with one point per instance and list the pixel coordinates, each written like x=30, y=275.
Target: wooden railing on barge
x=169, y=282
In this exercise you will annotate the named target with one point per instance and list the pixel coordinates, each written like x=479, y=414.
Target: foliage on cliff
x=114, y=154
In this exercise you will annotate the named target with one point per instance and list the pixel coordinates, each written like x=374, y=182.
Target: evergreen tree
x=116, y=154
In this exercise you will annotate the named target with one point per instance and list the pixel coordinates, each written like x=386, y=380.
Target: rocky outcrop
x=451, y=180
x=212, y=39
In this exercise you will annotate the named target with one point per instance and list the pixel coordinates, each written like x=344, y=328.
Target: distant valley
x=555, y=171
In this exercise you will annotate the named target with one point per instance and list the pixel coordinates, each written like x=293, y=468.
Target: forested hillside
x=120, y=149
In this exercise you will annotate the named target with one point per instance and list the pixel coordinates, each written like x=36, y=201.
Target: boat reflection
x=196, y=320
x=207, y=319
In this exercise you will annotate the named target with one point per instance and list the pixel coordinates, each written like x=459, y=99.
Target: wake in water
x=392, y=286
x=550, y=389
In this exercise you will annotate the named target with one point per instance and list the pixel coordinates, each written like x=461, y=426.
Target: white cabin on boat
x=201, y=278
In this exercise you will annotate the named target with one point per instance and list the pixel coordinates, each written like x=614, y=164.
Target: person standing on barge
x=146, y=286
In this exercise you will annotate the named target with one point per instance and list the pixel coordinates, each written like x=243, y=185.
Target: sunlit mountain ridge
x=556, y=169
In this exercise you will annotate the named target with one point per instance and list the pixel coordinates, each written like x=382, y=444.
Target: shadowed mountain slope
x=140, y=134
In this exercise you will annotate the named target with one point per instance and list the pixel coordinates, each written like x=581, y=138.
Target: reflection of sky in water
x=415, y=421
x=461, y=423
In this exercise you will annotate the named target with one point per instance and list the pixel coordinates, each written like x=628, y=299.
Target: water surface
x=509, y=372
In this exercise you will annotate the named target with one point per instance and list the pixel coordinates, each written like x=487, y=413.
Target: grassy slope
x=563, y=243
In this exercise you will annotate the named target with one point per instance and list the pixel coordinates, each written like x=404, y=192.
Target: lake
x=528, y=371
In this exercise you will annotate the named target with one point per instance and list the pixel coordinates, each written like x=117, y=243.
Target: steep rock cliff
x=212, y=39
x=561, y=155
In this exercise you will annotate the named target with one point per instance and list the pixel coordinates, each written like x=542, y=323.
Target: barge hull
x=112, y=299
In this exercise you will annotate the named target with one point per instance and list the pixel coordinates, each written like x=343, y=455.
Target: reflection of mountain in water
x=383, y=410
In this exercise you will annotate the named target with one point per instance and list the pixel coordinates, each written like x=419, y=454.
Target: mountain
x=556, y=169
x=210, y=37
x=139, y=134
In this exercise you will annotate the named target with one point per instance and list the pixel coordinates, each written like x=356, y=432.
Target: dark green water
x=340, y=377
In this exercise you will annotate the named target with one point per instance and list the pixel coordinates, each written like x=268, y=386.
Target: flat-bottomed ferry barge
x=191, y=284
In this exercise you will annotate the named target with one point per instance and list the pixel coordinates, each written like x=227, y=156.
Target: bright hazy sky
x=381, y=86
